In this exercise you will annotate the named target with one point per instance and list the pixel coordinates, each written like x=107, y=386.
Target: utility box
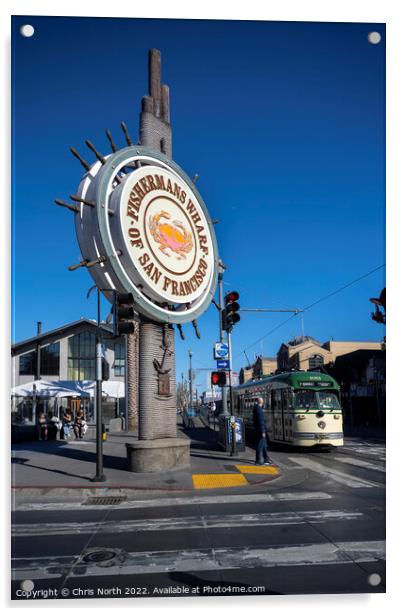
x=226, y=431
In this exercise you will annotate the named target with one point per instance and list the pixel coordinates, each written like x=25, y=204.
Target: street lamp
x=190, y=377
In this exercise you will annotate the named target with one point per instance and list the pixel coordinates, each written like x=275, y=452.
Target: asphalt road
x=320, y=528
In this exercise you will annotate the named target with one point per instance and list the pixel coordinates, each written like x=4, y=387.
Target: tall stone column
x=158, y=447
x=155, y=133
x=158, y=414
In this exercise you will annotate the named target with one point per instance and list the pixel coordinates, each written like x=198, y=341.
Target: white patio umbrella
x=46, y=389
x=112, y=389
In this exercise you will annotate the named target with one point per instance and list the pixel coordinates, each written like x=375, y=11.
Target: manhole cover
x=105, y=500
x=103, y=557
x=99, y=556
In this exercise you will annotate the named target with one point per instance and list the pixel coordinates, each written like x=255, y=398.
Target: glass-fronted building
x=66, y=354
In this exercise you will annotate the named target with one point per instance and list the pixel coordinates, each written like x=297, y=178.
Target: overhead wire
x=318, y=301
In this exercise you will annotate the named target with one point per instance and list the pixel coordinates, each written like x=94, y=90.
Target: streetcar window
x=305, y=399
x=328, y=400
x=287, y=399
x=276, y=399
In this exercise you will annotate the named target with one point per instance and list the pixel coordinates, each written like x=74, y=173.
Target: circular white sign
x=163, y=235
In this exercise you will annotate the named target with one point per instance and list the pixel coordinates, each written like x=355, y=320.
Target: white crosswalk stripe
x=334, y=474
x=373, y=466
x=187, y=522
x=213, y=559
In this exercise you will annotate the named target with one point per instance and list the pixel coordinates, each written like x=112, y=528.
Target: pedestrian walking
x=261, y=454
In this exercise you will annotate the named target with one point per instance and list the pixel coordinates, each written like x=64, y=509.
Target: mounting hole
x=27, y=30
x=374, y=38
x=374, y=579
x=27, y=585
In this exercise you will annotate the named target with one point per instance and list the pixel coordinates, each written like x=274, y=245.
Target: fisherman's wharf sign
x=165, y=233
x=150, y=233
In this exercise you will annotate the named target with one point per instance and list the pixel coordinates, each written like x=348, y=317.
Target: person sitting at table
x=42, y=427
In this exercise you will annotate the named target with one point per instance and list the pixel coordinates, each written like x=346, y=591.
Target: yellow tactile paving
x=228, y=480
x=257, y=470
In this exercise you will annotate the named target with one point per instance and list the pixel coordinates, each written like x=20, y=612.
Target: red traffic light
x=218, y=378
x=229, y=313
x=233, y=296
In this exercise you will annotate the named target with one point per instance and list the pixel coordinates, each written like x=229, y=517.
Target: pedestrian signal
x=218, y=378
x=230, y=314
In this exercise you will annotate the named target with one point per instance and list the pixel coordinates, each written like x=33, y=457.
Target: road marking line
x=358, y=462
x=216, y=499
x=335, y=475
x=206, y=559
x=186, y=522
x=226, y=480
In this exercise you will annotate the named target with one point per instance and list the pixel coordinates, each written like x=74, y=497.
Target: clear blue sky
x=283, y=122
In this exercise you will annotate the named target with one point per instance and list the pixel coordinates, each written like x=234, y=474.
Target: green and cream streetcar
x=301, y=408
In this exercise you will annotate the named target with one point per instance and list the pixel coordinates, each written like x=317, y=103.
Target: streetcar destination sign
x=315, y=384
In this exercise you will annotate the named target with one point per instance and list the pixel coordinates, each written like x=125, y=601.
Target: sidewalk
x=49, y=469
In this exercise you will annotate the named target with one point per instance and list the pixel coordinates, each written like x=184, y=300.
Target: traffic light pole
x=99, y=444
x=221, y=335
x=233, y=424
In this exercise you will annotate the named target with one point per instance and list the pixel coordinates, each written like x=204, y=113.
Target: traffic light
x=379, y=303
x=218, y=378
x=123, y=314
x=230, y=314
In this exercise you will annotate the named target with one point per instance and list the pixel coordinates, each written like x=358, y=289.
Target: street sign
x=222, y=364
x=221, y=350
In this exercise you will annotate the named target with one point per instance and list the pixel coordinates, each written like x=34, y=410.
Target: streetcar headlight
x=337, y=416
x=322, y=424
x=301, y=417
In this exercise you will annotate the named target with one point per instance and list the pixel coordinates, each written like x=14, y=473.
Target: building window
x=28, y=363
x=50, y=359
x=81, y=357
x=119, y=359
x=315, y=361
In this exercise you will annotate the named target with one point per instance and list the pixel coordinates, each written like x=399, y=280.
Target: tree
x=182, y=396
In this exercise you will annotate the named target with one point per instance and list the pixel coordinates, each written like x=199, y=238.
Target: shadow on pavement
x=201, y=438
x=60, y=448
x=23, y=462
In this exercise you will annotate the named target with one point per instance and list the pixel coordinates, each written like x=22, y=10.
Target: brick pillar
x=157, y=413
